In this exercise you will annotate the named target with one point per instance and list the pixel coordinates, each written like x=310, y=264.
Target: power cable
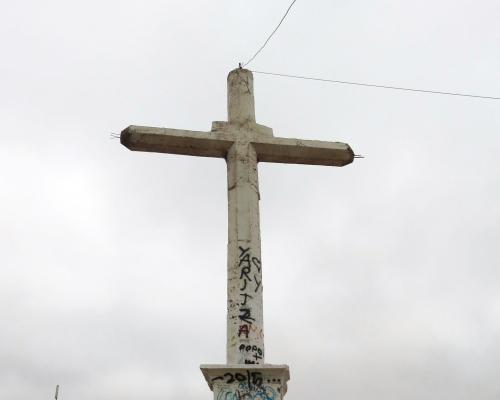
x=270, y=36
x=378, y=86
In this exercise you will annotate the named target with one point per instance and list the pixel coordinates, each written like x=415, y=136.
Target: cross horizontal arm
x=174, y=141
x=295, y=151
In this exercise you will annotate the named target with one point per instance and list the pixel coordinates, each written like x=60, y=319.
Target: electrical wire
x=378, y=86
x=270, y=36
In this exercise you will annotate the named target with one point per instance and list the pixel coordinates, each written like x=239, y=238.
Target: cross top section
x=240, y=99
x=241, y=108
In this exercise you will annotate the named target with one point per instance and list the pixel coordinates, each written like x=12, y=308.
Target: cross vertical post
x=245, y=321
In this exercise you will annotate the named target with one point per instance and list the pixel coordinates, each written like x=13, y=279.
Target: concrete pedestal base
x=247, y=382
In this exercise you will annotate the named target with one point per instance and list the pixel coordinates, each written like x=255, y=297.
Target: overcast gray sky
x=381, y=278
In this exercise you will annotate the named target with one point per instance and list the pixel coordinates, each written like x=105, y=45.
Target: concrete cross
x=242, y=143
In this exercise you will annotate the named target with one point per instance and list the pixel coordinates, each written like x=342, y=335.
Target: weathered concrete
x=240, y=99
x=243, y=143
x=252, y=382
x=223, y=135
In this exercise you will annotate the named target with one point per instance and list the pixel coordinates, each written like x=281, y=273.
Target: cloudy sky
x=381, y=278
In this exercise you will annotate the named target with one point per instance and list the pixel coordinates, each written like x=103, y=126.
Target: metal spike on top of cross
x=243, y=144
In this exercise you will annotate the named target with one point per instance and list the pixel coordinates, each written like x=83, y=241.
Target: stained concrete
x=256, y=382
x=243, y=144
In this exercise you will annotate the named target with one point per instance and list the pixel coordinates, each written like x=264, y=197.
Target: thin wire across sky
x=373, y=85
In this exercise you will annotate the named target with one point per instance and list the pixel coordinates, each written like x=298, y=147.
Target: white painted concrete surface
x=243, y=143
